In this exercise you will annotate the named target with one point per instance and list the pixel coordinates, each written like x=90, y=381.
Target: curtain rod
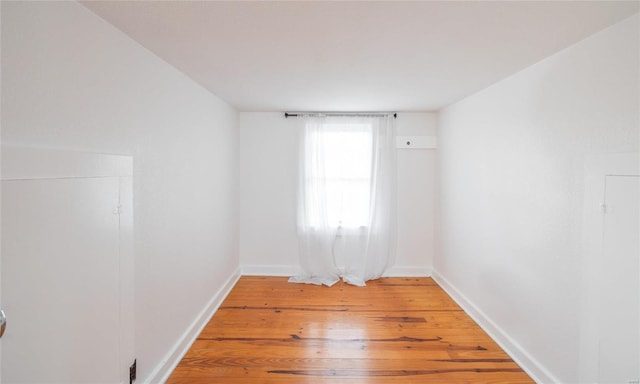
x=300, y=114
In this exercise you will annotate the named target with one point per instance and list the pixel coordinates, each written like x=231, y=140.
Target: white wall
x=70, y=80
x=511, y=174
x=267, y=207
x=268, y=174
x=416, y=197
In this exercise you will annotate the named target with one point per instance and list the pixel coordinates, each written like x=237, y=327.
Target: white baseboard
x=292, y=270
x=527, y=362
x=270, y=270
x=407, y=271
x=162, y=372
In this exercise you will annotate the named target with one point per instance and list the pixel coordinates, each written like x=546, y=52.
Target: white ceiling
x=358, y=56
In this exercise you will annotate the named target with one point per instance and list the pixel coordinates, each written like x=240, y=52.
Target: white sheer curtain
x=346, y=199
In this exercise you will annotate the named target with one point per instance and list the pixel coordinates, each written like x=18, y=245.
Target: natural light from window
x=346, y=151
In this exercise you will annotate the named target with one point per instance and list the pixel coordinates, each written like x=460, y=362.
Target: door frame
x=597, y=169
x=29, y=163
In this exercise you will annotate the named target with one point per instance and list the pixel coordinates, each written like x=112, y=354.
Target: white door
x=66, y=278
x=619, y=346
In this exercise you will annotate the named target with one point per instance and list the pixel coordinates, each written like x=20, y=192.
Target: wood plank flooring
x=394, y=330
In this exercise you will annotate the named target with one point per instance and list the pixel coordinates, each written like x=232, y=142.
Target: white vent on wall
x=415, y=142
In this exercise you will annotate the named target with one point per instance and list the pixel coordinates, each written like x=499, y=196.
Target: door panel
x=60, y=280
x=125, y=249
x=619, y=344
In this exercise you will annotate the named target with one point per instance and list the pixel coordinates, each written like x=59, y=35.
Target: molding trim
x=25, y=163
x=527, y=362
x=270, y=270
x=166, y=366
x=292, y=270
x=597, y=171
x=407, y=271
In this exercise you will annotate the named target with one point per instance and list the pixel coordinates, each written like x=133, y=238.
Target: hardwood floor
x=394, y=330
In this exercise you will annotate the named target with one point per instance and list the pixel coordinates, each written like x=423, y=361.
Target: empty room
x=320, y=192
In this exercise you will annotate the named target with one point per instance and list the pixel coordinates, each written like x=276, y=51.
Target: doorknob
x=3, y=322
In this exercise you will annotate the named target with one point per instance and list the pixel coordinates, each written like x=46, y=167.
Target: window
x=342, y=174
x=346, y=198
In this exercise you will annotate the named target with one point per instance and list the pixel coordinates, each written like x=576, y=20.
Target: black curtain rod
x=296, y=114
